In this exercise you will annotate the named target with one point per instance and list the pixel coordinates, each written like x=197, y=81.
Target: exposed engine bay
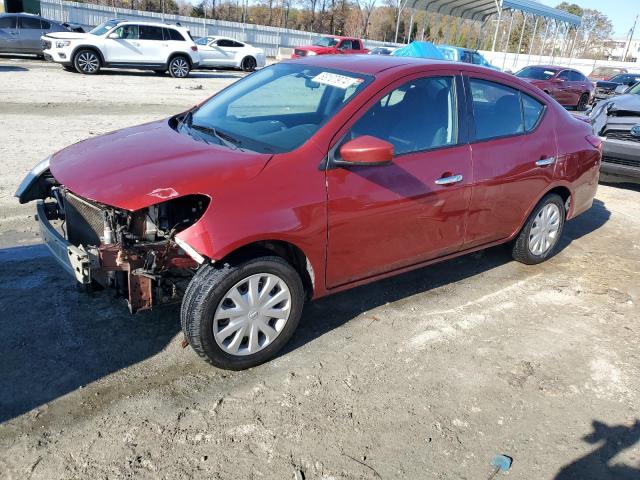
x=134, y=253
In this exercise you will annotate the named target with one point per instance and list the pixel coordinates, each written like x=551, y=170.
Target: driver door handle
x=544, y=162
x=449, y=180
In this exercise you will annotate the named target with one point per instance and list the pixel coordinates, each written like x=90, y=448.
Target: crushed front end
x=134, y=253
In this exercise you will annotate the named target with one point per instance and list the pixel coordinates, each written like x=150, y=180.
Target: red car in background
x=330, y=45
x=606, y=73
x=310, y=177
x=568, y=86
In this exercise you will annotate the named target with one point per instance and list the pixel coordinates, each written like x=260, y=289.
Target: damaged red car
x=310, y=177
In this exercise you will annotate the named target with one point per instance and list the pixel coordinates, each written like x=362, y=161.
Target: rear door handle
x=449, y=180
x=544, y=162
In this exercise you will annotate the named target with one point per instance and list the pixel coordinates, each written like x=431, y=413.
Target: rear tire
x=583, y=102
x=539, y=237
x=248, y=64
x=179, y=67
x=242, y=296
x=87, y=62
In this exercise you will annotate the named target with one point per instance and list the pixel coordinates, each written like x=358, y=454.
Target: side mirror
x=113, y=36
x=366, y=150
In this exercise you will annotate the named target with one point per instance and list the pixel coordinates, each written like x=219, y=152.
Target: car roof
x=368, y=64
x=151, y=24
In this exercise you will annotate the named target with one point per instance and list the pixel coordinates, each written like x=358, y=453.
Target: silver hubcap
x=252, y=314
x=544, y=231
x=180, y=67
x=88, y=62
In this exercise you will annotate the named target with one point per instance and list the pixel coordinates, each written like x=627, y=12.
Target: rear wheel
x=179, y=67
x=582, y=103
x=239, y=316
x=540, y=235
x=248, y=64
x=87, y=62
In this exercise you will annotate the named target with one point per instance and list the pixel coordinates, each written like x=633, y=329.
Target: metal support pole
x=400, y=8
x=533, y=39
x=555, y=40
x=495, y=36
x=544, y=40
x=506, y=48
x=413, y=12
x=524, y=25
x=573, y=47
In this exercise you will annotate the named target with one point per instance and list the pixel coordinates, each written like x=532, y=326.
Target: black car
x=607, y=88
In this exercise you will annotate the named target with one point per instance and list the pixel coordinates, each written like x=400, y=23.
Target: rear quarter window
x=532, y=111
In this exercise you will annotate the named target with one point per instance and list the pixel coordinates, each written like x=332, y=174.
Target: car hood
x=69, y=35
x=623, y=110
x=140, y=166
x=606, y=84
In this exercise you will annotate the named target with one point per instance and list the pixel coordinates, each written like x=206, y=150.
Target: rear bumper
x=74, y=260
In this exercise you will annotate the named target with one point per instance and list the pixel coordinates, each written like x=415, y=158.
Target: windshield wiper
x=224, y=138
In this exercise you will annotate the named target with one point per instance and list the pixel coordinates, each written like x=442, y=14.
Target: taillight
x=595, y=142
x=194, y=48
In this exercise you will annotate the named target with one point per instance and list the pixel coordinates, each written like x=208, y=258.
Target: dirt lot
x=427, y=375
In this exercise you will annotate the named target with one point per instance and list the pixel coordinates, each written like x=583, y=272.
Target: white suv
x=124, y=44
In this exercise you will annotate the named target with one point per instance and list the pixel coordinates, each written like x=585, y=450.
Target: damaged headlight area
x=135, y=253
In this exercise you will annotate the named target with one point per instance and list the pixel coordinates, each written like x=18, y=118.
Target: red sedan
x=307, y=178
x=568, y=86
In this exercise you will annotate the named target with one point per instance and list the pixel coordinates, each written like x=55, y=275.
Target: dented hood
x=140, y=166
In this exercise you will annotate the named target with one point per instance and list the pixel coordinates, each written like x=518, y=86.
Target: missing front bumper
x=75, y=260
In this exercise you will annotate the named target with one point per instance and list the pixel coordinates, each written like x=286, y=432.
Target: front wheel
x=239, y=316
x=540, y=235
x=87, y=62
x=179, y=67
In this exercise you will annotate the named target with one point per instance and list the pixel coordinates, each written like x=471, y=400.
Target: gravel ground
x=426, y=375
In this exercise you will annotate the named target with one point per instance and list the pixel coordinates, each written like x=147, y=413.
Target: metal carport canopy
x=480, y=9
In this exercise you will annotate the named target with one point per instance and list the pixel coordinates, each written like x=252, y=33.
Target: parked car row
x=124, y=44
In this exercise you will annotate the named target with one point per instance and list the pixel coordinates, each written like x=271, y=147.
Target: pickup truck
x=330, y=45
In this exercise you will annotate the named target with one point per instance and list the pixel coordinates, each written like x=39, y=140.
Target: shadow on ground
x=56, y=338
x=597, y=464
x=11, y=68
x=194, y=74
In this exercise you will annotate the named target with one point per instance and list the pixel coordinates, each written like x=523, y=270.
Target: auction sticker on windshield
x=335, y=80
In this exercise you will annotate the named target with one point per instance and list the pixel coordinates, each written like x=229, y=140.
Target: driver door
x=122, y=45
x=384, y=218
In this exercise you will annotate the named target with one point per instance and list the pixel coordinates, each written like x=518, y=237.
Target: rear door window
x=29, y=23
x=497, y=109
x=149, y=32
x=532, y=110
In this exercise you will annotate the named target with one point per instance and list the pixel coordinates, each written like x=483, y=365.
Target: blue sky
x=621, y=12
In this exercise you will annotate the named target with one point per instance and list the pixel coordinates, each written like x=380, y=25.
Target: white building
x=616, y=47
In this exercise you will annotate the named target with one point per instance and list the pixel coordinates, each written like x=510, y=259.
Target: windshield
x=536, y=73
x=635, y=90
x=618, y=78
x=274, y=110
x=104, y=27
x=325, y=42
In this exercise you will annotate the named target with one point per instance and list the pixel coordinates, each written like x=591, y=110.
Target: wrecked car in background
x=617, y=122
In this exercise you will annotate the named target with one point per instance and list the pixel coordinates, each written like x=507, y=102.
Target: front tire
x=239, y=316
x=539, y=237
x=582, y=102
x=87, y=62
x=179, y=67
x=248, y=64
